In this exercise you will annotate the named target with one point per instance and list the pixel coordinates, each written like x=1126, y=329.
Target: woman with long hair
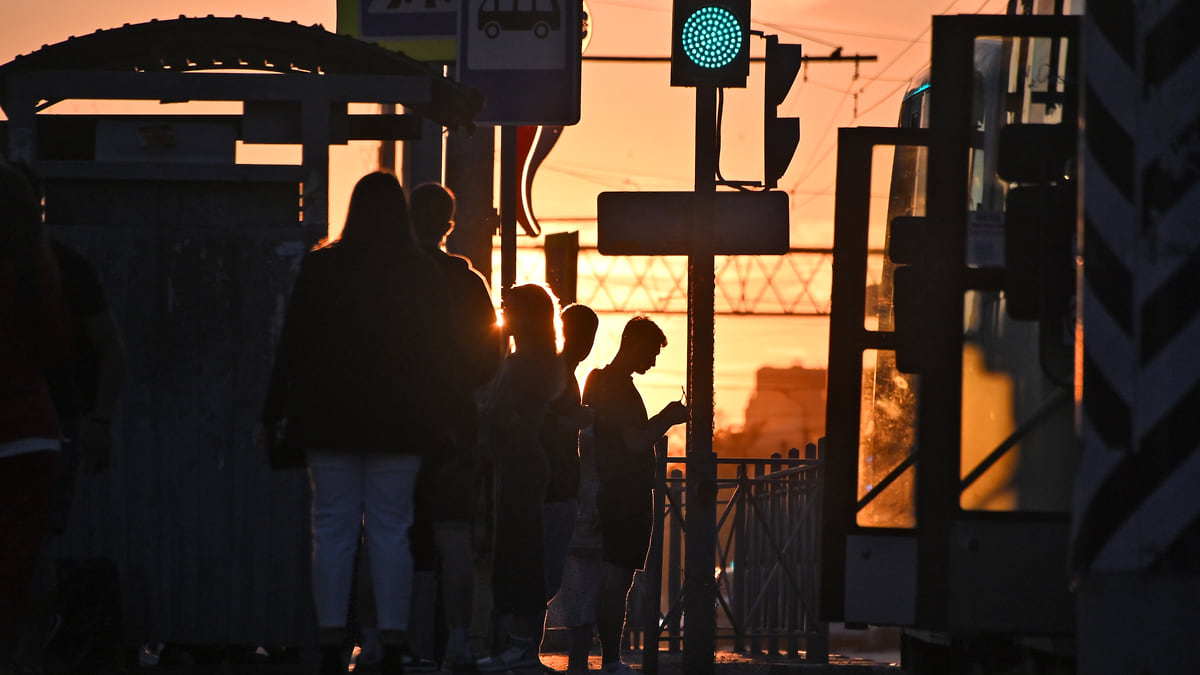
x=361, y=385
x=530, y=377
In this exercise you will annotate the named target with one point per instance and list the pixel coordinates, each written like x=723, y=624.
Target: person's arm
x=617, y=417
x=568, y=413
x=105, y=336
x=291, y=337
x=673, y=413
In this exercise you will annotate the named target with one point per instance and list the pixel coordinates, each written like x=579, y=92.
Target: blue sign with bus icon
x=537, y=16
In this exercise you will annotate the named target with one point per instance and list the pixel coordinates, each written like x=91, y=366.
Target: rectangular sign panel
x=660, y=223
x=524, y=56
x=422, y=29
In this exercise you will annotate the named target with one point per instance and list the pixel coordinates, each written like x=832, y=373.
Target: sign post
x=699, y=594
x=525, y=57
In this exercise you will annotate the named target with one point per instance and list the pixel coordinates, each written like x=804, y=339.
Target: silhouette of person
x=530, y=377
x=87, y=385
x=85, y=388
x=445, y=511
x=623, y=436
x=362, y=382
x=560, y=439
x=34, y=335
x=86, y=392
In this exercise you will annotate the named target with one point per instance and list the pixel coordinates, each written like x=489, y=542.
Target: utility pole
x=699, y=594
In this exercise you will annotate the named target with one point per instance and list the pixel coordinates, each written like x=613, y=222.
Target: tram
x=951, y=451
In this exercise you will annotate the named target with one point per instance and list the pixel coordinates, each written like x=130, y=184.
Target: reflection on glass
x=886, y=441
x=1018, y=448
x=987, y=420
x=906, y=197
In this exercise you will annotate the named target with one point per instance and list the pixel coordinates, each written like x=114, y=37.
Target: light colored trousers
x=352, y=491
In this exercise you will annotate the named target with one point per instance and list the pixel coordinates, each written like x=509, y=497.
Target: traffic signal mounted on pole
x=781, y=135
x=1039, y=219
x=710, y=43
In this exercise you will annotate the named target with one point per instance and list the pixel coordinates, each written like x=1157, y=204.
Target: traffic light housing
x=781, y=135
x=906, y=246
x=710, y=43
x=1039, y=215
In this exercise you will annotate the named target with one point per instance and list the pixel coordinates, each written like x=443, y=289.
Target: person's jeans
x=352, y=491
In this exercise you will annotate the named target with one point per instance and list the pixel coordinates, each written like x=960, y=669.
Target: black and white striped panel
x=1140, y=467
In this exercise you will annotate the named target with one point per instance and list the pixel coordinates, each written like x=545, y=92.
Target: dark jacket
x=34, y=334
x=363, y=361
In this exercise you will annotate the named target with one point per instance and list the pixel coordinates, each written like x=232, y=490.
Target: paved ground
x=726, y=663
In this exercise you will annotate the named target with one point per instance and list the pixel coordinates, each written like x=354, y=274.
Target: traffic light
x=710, y=43
x=909, y=317
x=1039, y=220
x=780, y=135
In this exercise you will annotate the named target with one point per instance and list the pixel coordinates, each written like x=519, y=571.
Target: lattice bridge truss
x=795, y=284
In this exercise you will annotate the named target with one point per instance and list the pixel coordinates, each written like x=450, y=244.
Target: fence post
x=775, y=507
x=794, y=611
x=816, y=647
x=675, y=562
x=654, y=563
x=754, y=564
x=739, y=603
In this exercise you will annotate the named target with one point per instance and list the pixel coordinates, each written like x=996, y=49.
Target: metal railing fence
x=766, y=580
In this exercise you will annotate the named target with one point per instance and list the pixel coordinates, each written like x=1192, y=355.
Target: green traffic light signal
x=711, y=37
x=710, y=43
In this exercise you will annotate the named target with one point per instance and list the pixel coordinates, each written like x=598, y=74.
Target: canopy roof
x=237, y=43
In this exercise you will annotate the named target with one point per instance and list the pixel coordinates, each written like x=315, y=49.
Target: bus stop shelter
x=197, y=253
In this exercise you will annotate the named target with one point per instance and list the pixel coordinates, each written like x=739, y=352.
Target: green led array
x=712, y=37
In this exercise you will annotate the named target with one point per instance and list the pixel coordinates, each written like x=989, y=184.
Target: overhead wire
x=833, y=119
x=812, y=167
x=847, y=93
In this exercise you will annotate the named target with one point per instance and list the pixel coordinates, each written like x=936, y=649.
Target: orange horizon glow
x=636, y=133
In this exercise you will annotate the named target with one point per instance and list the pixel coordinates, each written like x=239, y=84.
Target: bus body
x=950, y=430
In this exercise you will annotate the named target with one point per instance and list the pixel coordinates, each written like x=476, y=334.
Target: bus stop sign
x=427, y=30
x=524, y=56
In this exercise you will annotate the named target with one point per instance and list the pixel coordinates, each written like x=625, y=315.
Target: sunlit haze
x=636, y=133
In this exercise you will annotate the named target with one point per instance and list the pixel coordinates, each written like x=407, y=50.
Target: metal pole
x=675, y=560
x=654, y=564
x=508, y=208
x=699, y=585
x=470, y=173
x=387, y=148
x=315, y=158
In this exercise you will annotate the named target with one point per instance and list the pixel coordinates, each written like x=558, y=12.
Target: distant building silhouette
x=786, y=410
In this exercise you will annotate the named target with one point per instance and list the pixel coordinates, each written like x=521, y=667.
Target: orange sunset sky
x=636, y=133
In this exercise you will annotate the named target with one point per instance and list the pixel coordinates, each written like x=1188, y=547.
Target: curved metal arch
x=245, y=44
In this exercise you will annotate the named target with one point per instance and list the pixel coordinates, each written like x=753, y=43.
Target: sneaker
x=515, y=657
x=418, y=664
